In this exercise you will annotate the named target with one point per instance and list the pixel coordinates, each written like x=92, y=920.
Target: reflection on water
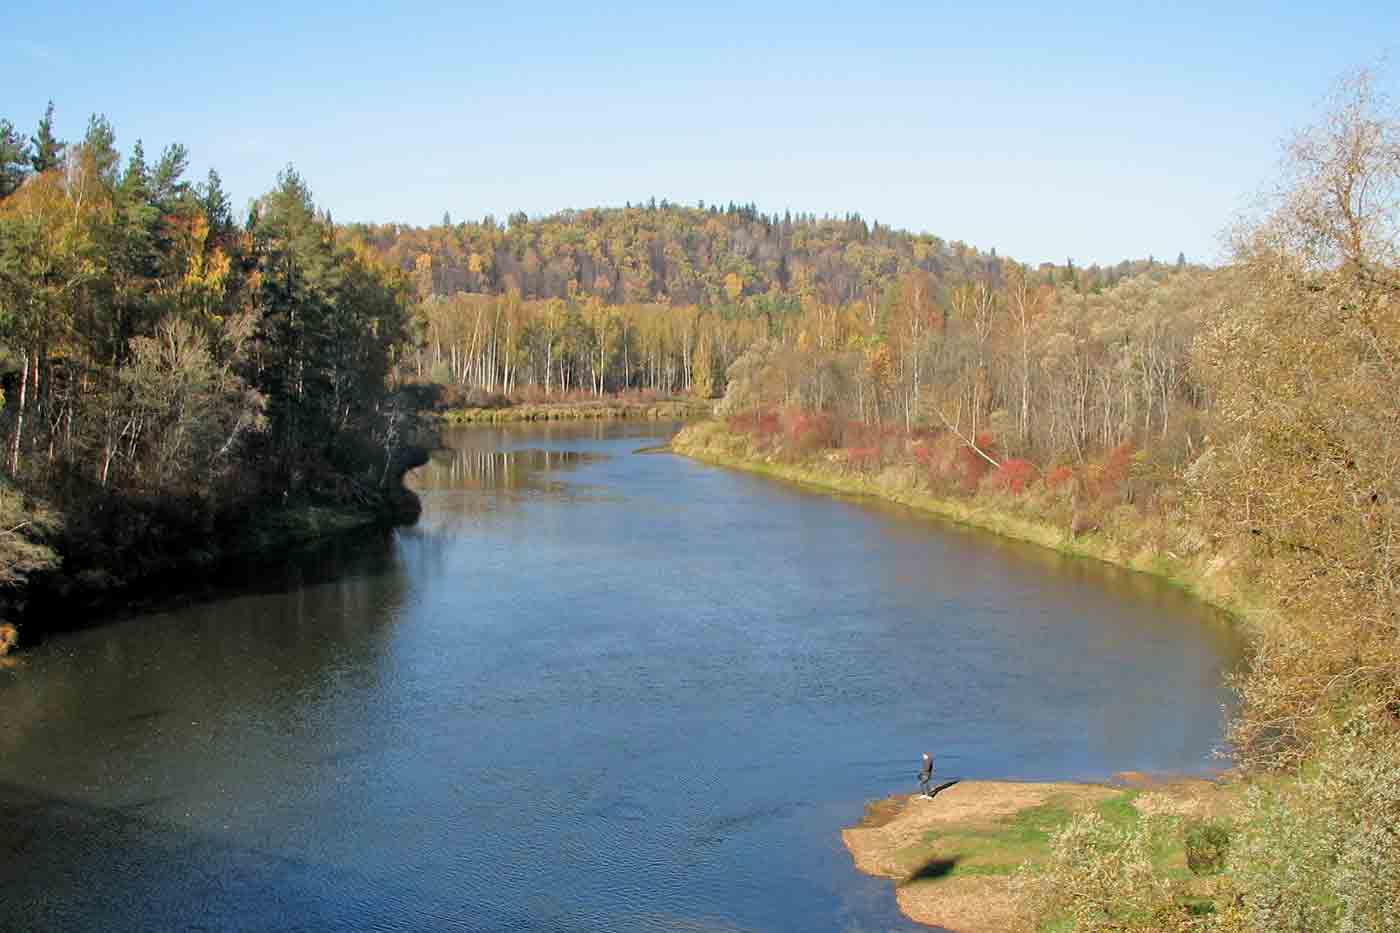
x=591, y=690
x=500, y=471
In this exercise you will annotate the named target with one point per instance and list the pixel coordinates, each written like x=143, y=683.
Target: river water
x=592, y=689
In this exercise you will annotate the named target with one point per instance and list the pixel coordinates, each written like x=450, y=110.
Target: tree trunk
x=19, y=416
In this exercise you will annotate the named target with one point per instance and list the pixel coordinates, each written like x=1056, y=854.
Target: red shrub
x=1120, y=460
x=863, y=458
x=762, y=424
x=971, y=465
x=1013, y=475
x=808, y=431
x=1058, y=476
x=1109, y=477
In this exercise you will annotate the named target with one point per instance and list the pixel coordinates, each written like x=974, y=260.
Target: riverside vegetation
x=1236, y=430
x=168, y=370
x=177, y=386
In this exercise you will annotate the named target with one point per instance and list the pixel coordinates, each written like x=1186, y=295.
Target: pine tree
x=167, y=189
x=14, y=158
x=100, y=145
x=215, y=203
x=48, y=150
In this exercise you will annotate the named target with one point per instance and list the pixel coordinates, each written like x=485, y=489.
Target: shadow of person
x=932, y=870
x=935, y=791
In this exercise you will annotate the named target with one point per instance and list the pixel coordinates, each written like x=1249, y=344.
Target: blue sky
x=1098, y=132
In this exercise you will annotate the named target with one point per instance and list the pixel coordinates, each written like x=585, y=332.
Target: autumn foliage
x=1013, y=475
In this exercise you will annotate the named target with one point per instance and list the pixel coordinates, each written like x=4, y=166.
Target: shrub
x=762, y=425
x=1207, y=845
x=1100, y=877
x=862, y=458
x=1013, y=475
x=1058, y=477
x=1109, y=479
x=808, y=431
x=971, y=465
x=1322, y=853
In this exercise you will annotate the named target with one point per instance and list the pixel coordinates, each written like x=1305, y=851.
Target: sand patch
x=951, y=857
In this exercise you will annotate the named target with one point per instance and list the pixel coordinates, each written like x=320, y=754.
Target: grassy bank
x=958, y=860
x=593, y=410
x=1048, y=520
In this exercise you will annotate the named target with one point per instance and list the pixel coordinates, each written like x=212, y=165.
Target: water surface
x=590, y=690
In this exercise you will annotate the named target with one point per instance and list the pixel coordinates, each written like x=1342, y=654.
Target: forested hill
x=705, y=256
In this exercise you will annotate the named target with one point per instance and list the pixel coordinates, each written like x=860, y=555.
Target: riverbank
x=1116, y=539
x=604, y=409
x=44, y=590
x=954, y=858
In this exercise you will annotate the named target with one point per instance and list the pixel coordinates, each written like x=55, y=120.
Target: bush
x=1059, y=476
x=1322, y=853
x=808, y=432
x=972, y=465
x=1100, y=877
x=1013, y=475
x=762, y=425
x=1207, y=845
x=863, y=458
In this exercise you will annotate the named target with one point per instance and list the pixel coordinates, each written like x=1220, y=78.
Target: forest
x=663, y=298
x=168, y=370
x=168, y=367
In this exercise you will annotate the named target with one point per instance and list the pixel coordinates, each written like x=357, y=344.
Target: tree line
x=710, y=257
x=491, y=316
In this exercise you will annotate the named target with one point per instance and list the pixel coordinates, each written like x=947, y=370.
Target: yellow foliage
x=733, y=286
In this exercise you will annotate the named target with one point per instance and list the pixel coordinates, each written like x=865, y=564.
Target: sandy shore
x=952, y=857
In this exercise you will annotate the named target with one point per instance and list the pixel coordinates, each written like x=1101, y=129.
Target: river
x=592, y=689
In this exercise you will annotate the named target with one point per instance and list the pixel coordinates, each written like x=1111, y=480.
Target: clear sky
x=1097, y=132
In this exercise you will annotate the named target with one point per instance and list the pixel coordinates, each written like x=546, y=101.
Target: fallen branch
x=970, y=442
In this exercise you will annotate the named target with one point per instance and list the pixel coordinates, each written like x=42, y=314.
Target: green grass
x=1001, y=848
x=1119, y=811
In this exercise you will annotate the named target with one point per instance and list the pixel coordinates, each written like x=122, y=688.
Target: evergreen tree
x=328, y=328
x=167, y=188
x=48, y=150
x=215, y=203
x=100, y=145
x=14, y=158
x=136, y=179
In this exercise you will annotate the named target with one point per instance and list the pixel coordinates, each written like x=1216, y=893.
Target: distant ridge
x=707, y=256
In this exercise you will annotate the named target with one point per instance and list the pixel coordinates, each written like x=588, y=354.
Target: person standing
x=926, y=773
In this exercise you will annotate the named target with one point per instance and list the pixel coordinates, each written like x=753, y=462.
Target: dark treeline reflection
x=493, y=469
x=207, y=686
